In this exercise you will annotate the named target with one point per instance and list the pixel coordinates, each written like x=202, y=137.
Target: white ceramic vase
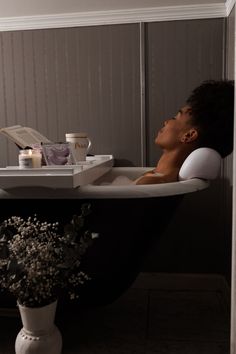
x=39, y=334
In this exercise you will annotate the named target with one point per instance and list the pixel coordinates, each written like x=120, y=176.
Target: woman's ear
x=190, y=136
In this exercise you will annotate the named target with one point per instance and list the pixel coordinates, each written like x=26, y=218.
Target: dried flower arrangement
x=37, y=261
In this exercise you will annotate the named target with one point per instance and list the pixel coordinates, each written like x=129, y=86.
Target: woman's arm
x=150, y=178
x=155, y=178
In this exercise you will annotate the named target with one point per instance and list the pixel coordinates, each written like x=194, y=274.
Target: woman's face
x=175, y=129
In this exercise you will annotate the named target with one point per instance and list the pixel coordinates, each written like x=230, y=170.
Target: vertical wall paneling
x=142, y=95
x=51, y=84
x=29, y=84
x=9, y=67
x=19, y=69
x=3, y=104
x=93, y=79
x=40, y=80
x=9, y=83
x=62, y=82
x=109, y=85
x=74, y=79
x=180, y=54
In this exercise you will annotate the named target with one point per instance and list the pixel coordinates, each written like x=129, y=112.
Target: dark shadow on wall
x=123, y=163
x=198, y=238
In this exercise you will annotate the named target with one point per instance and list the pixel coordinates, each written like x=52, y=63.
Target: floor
x=156, y=316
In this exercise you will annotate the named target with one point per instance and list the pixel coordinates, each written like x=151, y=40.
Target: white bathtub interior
x=104, y=186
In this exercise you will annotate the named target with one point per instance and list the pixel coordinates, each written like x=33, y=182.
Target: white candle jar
x=29, y=158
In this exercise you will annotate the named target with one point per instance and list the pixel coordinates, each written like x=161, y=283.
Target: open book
x=24, y=136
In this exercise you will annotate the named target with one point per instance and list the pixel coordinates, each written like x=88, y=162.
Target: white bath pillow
x=201, y=163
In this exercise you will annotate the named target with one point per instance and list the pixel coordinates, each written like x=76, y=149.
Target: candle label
x=25, y=162
x=29, y=158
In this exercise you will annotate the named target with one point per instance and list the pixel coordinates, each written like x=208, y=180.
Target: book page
x=40, y=138
x=23, y=136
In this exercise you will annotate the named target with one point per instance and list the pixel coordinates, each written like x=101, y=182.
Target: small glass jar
x=29, y=158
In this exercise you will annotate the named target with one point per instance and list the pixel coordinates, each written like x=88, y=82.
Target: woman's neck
x=171, y=161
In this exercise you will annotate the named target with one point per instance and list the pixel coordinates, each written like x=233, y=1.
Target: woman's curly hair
x=212, y=110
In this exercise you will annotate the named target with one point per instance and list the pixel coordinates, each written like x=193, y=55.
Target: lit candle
x=37, y=158
x=30, y=158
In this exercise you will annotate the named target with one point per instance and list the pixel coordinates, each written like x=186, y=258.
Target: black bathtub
x=128, y=218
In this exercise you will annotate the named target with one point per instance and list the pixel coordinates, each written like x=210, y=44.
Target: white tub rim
x=93, y=191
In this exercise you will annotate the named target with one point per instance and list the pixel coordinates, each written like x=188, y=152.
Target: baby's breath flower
x=36, y=261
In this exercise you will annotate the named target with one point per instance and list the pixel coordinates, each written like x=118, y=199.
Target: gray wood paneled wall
x=76, y=79
x=180, y=55
x=230, y=47
x=203, y=220
x=88, y=78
